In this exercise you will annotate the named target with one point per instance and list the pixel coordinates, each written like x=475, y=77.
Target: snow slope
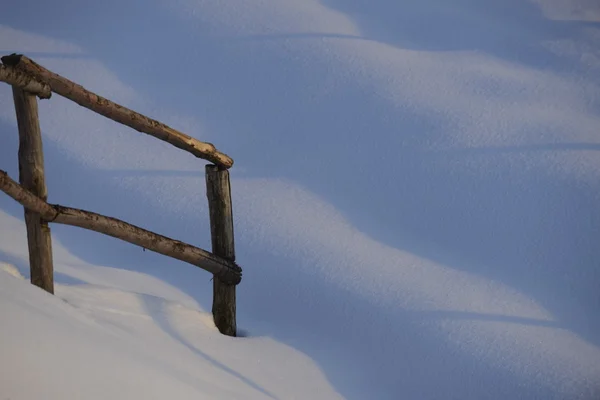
x=415, y=191
x=95, y=342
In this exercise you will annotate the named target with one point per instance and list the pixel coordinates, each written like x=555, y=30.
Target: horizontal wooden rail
x=225, y=270
x=17, y=78
x=114, y=111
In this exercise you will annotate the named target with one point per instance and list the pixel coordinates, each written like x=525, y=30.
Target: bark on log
x=225, y=270
x=116, y=112
x=31, y=176
x=218, y=191
x=20, y=79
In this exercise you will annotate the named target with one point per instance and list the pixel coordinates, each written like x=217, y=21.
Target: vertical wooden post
x=218, y=192
x=31, y=177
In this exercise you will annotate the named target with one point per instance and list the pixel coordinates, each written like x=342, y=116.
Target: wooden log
x=31, y=176
x=218, y=191
x=226, y=270
x=116, y=112
x=21, y=80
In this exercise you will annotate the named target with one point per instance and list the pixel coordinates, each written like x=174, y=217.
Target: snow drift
x=415, y=191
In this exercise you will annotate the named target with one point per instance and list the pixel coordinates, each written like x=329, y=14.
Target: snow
x=415, y=198
x=92, y=341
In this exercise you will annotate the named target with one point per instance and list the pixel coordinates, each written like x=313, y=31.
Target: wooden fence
x=28, y=80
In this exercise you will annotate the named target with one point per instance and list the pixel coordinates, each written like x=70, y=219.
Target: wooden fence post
x=218, y=192
x=31, y=177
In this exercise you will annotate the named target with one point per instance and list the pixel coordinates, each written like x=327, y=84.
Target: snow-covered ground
x=96, y=342
x=416, y=196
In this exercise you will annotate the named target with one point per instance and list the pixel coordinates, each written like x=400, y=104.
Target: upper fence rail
x=18, y=70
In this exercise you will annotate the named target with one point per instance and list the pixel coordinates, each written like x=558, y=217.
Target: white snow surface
x=415, y=196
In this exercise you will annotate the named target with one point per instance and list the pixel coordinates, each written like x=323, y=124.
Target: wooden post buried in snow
x=31, y=177
x=218, y=192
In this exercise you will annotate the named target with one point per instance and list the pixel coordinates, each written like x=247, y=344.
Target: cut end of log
x=11, y=59
x=12, y=75
x=220, y=159
x=231, y=276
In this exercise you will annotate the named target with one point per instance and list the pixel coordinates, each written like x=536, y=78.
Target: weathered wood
x=31, y=176
x=224, y=269
x=17, y=78
x=218, y=191
x=116, y=112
